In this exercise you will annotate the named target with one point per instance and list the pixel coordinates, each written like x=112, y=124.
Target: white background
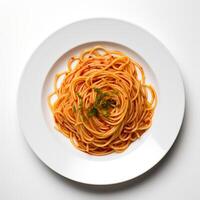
x=25, y=24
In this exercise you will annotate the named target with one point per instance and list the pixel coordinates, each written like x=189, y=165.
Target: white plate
x=53, y=148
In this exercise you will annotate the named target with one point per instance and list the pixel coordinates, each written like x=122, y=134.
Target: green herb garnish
x=80, y=106
x=99, y=98
x=74, y=108
x=79, y=96
x=108, y=103
x=93, y=111
x=105, y=113
x=101, y=105
x=97, y=90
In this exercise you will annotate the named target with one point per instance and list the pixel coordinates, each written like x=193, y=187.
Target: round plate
x=53, y=148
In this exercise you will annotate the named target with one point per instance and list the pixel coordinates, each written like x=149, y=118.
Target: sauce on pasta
x=103, y=104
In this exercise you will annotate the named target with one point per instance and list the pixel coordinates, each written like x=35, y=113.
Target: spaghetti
x=103, y=104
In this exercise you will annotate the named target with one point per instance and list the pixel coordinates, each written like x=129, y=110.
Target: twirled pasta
x=103, y=104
